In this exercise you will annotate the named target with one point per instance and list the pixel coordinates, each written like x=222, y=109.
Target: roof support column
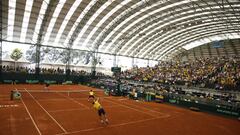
x=233, y=47
x=218, y=53
x=68, y=70
x=201, y=51
x=94, y=63
x=37, y=66
x=1, y=59
x=41, y=33
x=194, y=54
x=132, y=62
x=115, y=60
x=209, y=50
x=224, y=49
x=1, y=24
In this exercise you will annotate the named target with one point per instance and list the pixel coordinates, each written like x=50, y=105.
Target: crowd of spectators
x=52, y=71
x=218, y=73
x=127, y=87
x=18, y=69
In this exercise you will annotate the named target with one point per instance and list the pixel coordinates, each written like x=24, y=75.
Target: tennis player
x=91, y=95
x=46, y=86
x=101, y=111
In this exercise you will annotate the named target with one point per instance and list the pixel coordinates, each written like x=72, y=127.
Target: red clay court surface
x=59, y=114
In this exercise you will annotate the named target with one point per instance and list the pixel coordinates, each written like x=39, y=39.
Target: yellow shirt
x=97, y=105
x=91, y=93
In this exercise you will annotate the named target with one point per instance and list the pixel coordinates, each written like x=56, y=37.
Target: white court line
x=46, y=111
x=75, y=101
x=142, y=107
x=115, y=125
x=63, y=110
x=95, y=96
x=52, y=99
x=35, y=125
x=131, y=108
x=121, y=99
x=62, y=90
x=4, y=95
x=78, y=98
x=67, y=110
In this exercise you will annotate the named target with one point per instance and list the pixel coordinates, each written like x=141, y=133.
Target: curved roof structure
x=219, y=49
x=149, y=29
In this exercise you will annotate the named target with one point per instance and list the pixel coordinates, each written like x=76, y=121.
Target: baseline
x=115, y=125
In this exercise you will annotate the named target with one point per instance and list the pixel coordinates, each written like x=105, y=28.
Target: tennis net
x=53, y=94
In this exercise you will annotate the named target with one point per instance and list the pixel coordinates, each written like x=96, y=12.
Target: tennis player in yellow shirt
x=101, y=111
x=91, y=95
